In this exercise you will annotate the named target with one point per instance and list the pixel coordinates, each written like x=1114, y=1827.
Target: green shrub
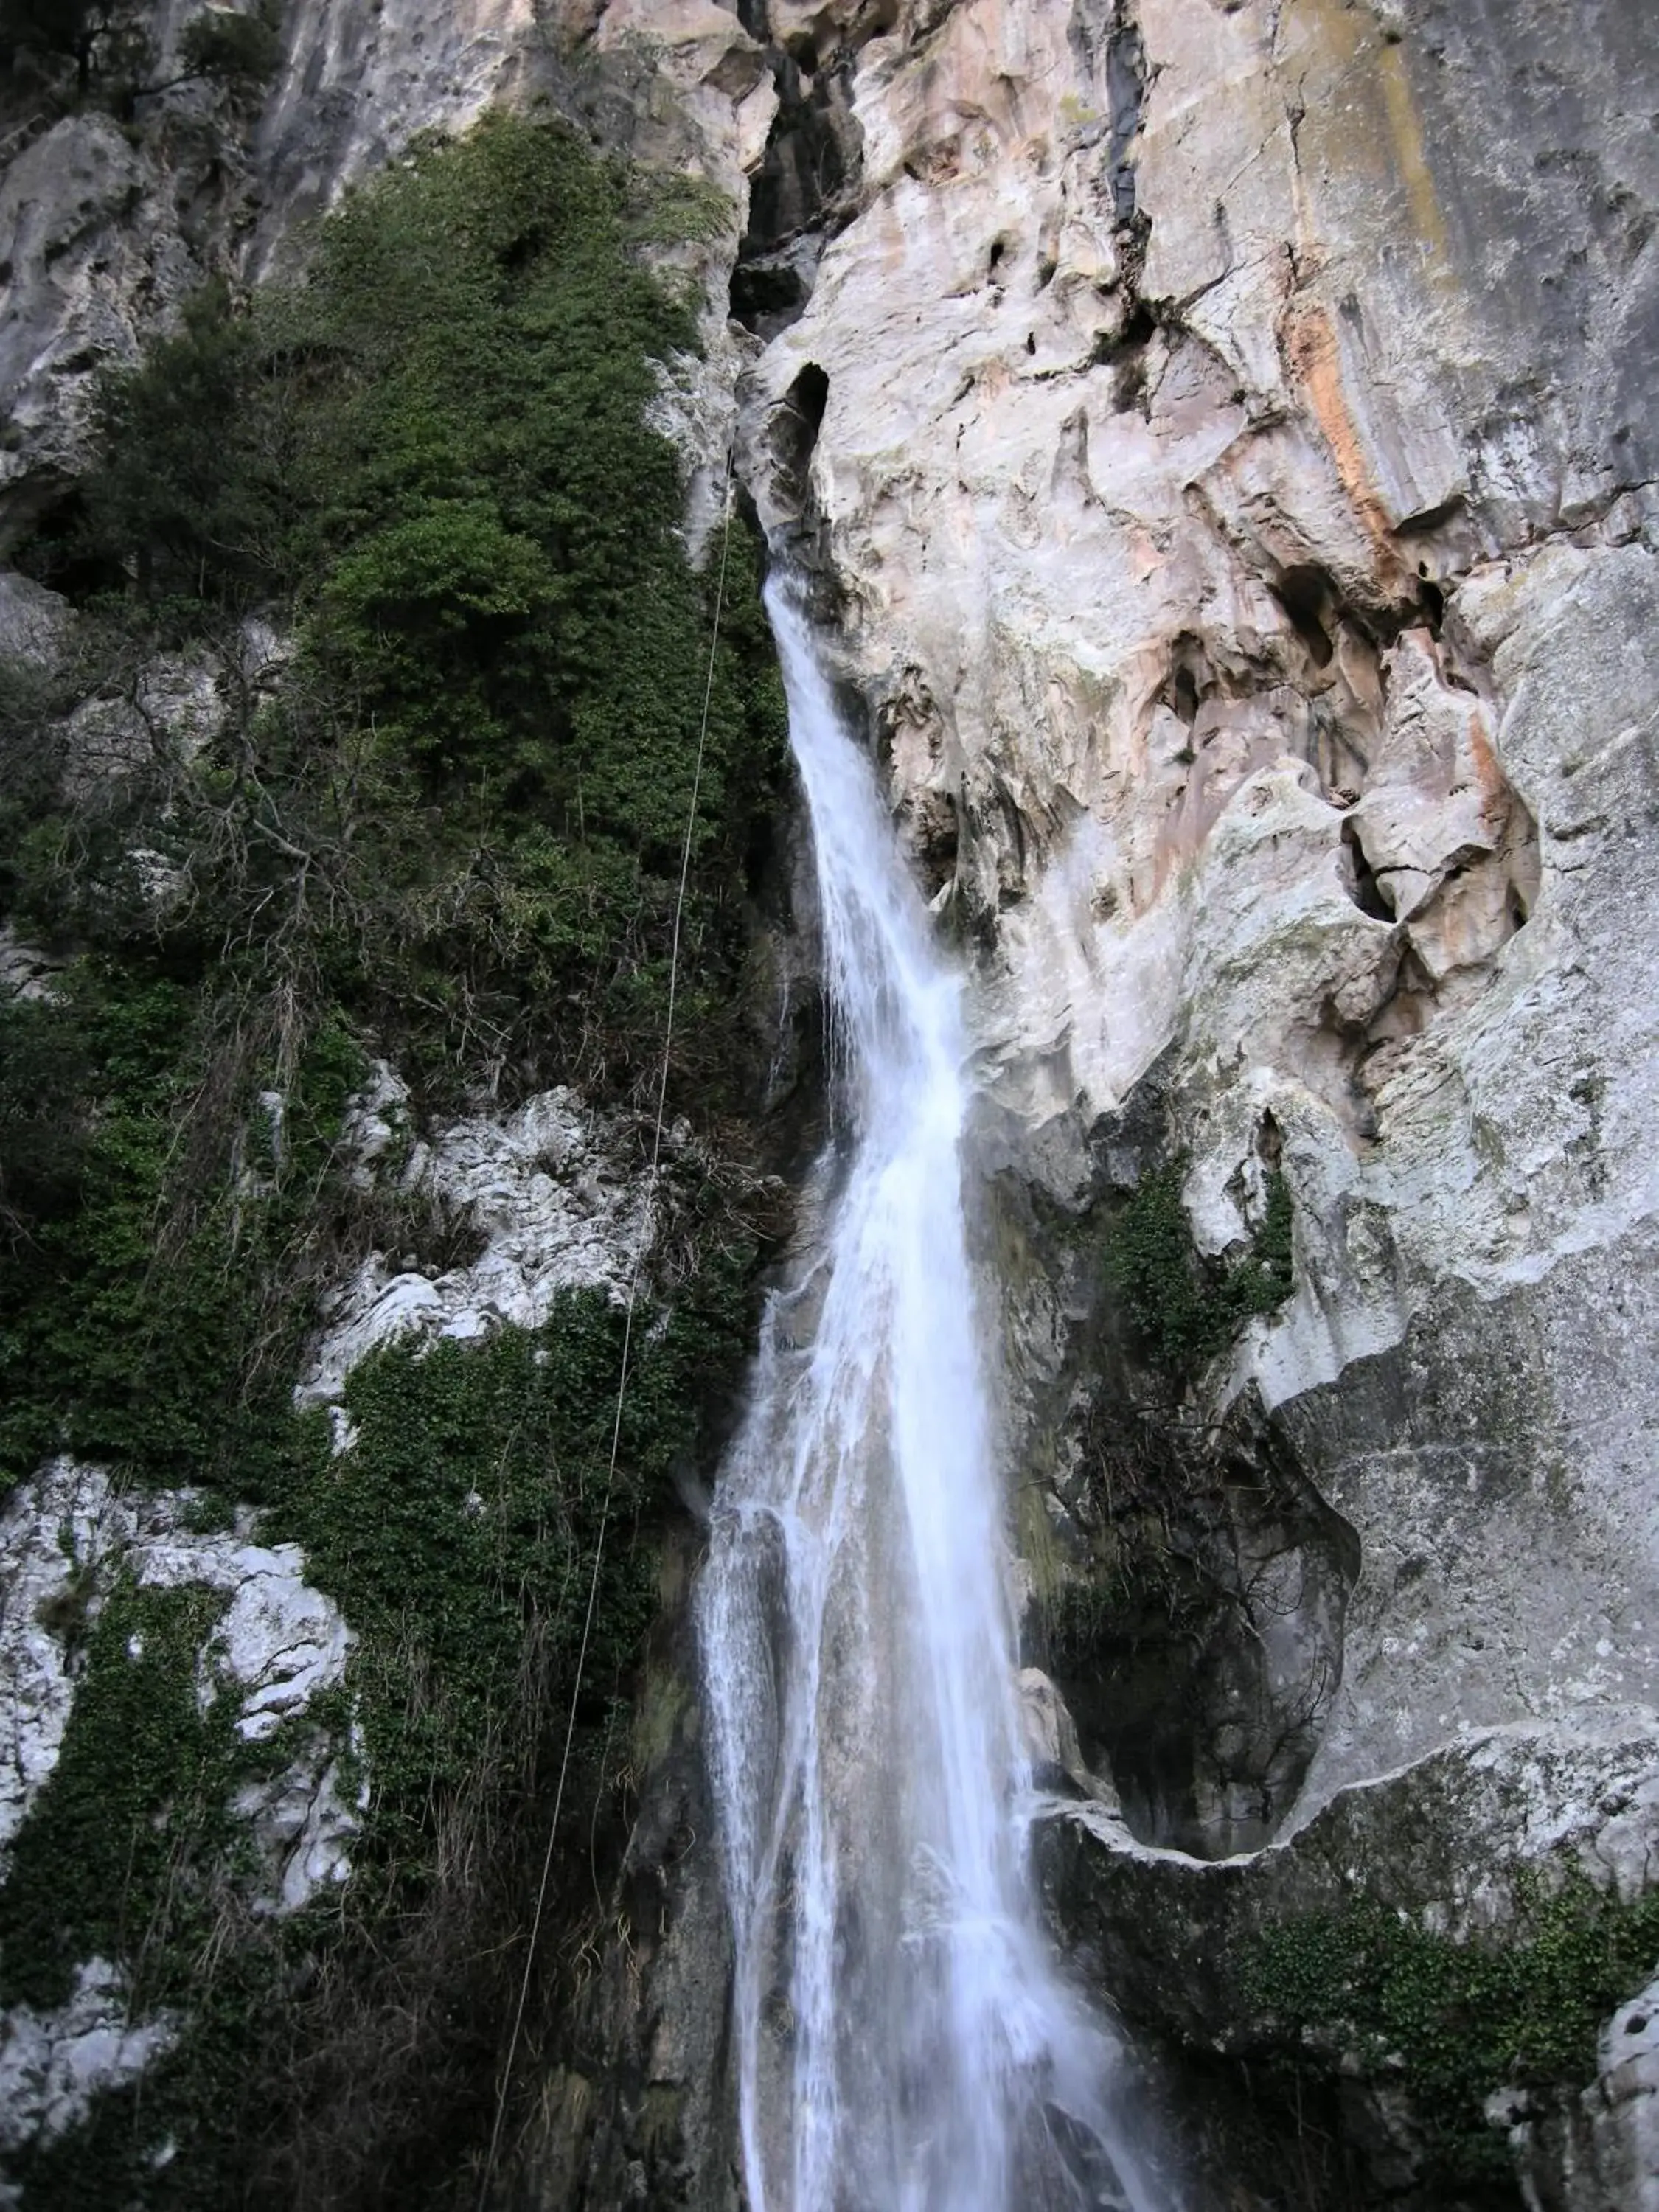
x=462, y=815
x=150, y=1315
x=240, y=50
x=1183, y=1309
x=188, y=494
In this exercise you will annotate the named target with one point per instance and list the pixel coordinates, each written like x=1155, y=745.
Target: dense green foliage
x=1456, y=2021
x=459, y=1534
x=113, y=1861
x=1183, y=1309
x=462, y=813
x=398, y=668
x=452, y=830
x=458, y=1531
x=151, y=1304
x=238, y=50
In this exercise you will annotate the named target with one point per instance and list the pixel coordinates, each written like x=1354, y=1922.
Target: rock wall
x=1221, y=427
x=108, y=222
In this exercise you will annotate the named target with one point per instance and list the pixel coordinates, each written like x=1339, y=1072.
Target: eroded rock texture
x=1223, y=435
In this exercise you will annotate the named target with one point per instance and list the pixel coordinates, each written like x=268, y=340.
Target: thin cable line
x=627, y=1348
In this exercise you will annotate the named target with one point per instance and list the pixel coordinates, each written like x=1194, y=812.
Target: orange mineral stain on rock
x=1356, y=127
x=1410, y=162
x=1354, y=87
x=1314, y=360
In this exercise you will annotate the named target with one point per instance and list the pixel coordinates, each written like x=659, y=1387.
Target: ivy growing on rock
x=152, y=1306
x=459, y=1534
x=118, y=1857
x=434, y=801
x=458, y=1531
x=375, y=735
x=1369, y=1990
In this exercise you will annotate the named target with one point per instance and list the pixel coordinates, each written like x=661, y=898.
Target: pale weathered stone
x=550, y=1192
x=52, y=2064
x=95, y=262
x=64, y=1538
x=34, y=623
x=1194, y=475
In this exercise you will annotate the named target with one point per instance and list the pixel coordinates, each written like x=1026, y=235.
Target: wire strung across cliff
x=646, y=1217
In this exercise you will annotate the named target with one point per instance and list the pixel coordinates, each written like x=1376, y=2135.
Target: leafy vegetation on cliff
x=329, y=2057
x=376, y=736
x=460, y=810
x=1183, y=1308
x=1368, y=1990
x=442, y=815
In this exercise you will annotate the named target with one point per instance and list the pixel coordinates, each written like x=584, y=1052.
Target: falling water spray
x=904, y=2041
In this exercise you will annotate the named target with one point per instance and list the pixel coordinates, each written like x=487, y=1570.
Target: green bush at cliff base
x=459, y=1534
x=1453, y=2022
x=1183, y=1309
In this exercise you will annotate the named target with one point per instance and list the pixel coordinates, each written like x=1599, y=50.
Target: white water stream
x=904, y=2042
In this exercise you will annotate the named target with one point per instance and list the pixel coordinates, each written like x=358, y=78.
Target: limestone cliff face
x=1224, y=430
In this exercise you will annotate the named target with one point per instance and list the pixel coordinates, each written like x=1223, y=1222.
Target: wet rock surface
x=1328, y=1963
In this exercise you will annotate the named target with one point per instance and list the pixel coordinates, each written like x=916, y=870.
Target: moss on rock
x=1376, y=1992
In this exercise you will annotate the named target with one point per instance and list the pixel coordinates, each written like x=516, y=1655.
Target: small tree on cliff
x=107, y=39
x=95, y=34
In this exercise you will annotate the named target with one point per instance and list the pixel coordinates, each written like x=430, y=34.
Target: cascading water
x=903, y=2042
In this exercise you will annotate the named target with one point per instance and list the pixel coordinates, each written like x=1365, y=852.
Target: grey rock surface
x=1231, y=458
x=94, y=260
x=34, y=623
x=1455, y=1849
x=53, y=2064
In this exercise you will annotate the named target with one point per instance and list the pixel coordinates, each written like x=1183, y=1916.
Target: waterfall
x=904, y=2042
